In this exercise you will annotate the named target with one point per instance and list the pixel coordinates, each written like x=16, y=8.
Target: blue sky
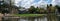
x=28, y=3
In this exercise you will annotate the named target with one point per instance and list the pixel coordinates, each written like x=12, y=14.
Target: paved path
x=1, y=15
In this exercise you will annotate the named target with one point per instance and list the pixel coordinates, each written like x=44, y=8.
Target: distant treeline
x=49, y=9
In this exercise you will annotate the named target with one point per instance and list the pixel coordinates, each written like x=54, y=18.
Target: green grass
x=29, y=15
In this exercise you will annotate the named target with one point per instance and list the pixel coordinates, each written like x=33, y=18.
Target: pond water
x=33, y=19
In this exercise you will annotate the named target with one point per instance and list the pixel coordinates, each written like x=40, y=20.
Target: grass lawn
x=29, y=15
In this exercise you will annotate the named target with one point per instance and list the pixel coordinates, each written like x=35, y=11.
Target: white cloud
x=55, y=2
x=28, y=3
x=40, y=3
x=16, y=1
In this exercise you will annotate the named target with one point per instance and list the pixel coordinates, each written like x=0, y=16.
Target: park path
x=1, y=15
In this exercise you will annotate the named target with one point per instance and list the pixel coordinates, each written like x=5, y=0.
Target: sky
x=28, y=3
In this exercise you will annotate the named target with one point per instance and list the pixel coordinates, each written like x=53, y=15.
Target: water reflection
x=33, y=19
x=23, y=20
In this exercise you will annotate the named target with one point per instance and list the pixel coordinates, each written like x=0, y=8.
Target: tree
x=20, y=7
x=53, y=9
x=37, y=10
x=1, y=3
x=41, y=10
x=58, y=7
x=49, y=15
x=32, y=9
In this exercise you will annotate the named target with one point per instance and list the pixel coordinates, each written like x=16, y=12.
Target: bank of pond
x=29, y=18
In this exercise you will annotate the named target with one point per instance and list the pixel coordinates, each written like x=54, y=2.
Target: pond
x=33, y=19
x=39, y=18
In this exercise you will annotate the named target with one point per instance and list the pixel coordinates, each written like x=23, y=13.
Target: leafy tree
x=37, y=10
x=20, y=7
x=32, y=9
x=58, y=7
x=53, y=9
x=41, y=10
